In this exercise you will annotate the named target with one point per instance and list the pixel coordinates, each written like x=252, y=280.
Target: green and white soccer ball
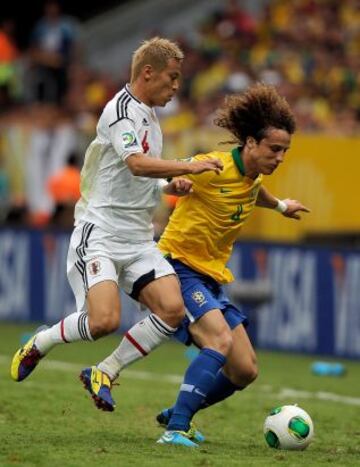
x=288, y=427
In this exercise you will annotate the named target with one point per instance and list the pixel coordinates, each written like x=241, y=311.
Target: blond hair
x=155, y=52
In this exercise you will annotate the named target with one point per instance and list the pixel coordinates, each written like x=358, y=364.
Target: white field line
x=321, y=395
x=76, y=367
x=285, y=393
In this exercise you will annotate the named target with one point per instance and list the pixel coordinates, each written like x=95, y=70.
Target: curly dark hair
x=250, y=114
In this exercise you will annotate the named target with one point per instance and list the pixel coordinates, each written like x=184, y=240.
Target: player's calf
x=243, y=375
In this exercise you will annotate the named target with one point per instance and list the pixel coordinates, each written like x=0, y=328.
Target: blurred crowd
x=50, y=99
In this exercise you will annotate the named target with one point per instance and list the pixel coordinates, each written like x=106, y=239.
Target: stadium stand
x=308, y=49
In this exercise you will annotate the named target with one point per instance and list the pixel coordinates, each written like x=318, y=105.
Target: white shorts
x=95, y=256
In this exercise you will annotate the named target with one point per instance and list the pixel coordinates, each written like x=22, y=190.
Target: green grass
x=49, y=420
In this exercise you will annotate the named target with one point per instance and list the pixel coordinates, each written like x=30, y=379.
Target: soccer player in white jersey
x=112, y=244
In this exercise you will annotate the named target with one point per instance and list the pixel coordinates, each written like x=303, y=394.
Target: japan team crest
x=94, y=267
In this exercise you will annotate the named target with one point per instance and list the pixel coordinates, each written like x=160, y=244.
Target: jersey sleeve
x=124, y=138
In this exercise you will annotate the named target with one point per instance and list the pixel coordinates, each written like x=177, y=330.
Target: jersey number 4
x=144, y=143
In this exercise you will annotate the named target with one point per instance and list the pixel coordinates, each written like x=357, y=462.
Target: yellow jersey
x=205, y=224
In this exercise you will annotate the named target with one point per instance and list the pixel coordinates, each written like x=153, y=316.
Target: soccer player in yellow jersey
x=198, y=242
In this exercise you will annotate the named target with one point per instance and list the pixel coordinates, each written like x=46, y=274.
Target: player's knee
x=221, y=341
x=224, y=342
x=247, y=375
x=172, y=312
x=105, y=322
x=250, y=374
x=243, y=372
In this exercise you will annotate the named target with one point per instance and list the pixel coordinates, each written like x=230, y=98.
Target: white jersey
x=111, y=196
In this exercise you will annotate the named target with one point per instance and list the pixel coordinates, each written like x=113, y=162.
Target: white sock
x=140, y=340
x=74, y=327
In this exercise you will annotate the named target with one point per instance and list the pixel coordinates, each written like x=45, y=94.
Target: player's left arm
x=186, y=184
x=178, y=187
x=287, y=207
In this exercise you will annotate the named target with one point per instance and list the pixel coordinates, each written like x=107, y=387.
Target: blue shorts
x=201, y=294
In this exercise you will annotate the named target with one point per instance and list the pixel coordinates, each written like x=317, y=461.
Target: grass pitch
x=49, y=420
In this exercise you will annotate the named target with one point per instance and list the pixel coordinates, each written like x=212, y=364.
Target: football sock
x=221, y=389
x=199, y=377
x=74, y=327
x=141, y=339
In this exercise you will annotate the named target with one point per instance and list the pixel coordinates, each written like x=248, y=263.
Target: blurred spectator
x=8, y=55
x=308, y=49
x=51, y=142
x=64, y=188
x=235, y=22
x=4, y=191
x=177, y=117
x=52, y=46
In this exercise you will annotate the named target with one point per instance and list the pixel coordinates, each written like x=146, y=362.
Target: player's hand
x=178, y=187
x=199, y=167
x=294, y=207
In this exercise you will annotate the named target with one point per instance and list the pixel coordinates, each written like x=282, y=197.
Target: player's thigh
x=152, y=281
x=103, y=304
x=89, y=264
x=96, y=291
x=241, y=363
x=163, y=297
x=212, y=331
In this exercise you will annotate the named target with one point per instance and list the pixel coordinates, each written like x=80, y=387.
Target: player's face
x=269, y=152
x=164, y=84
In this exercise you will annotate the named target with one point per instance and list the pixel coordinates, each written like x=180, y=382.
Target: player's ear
x=250, y=142
x=147, y=72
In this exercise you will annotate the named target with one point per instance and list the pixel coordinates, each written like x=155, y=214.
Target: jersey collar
x=127, y=89
x=236, y=155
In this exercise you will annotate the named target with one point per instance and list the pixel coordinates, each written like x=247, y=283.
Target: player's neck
x=251, y=170
x=137, y=91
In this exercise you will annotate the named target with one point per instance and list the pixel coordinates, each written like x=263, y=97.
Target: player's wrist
x=189, y=168
x=281, y=206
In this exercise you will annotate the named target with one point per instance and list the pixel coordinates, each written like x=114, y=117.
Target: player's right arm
x=141, y=165
x=205, y=178
x=125, y=140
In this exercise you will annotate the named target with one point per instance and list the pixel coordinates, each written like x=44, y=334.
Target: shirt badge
x=198, y=297
x=129, y=139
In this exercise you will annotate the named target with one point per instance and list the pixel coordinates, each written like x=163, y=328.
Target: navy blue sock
x=221, y=389
x=198, y=380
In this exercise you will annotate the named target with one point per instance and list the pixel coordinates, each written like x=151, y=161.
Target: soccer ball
x=288, y=427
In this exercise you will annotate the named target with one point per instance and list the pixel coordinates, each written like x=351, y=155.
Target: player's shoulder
x=122, y=106
x=223, y=156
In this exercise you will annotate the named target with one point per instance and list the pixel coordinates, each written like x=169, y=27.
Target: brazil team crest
x=198, y=297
